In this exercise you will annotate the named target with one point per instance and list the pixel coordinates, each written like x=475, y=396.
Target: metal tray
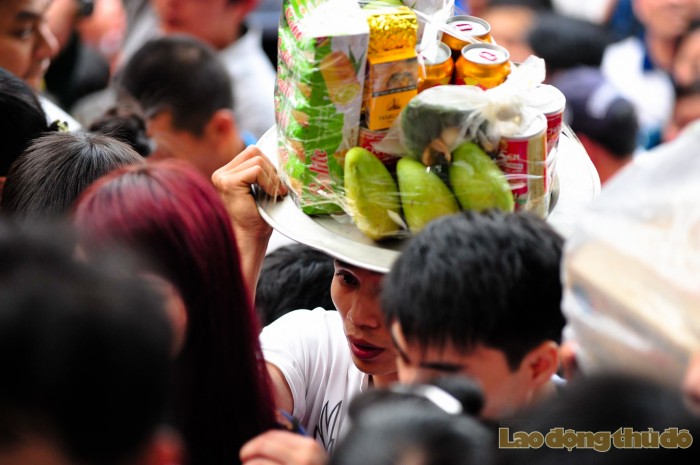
x=337, y=235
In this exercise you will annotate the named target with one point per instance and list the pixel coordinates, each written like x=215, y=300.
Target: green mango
x=424, y=196
x=371, y=194
x=477, y=181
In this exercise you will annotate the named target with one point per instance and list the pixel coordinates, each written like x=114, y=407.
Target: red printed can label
x=550, y=101
x=367, y=138
x=554, y=122
x=523, y=158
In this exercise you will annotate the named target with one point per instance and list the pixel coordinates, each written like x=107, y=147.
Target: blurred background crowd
x=642, y=59
x=133, y=335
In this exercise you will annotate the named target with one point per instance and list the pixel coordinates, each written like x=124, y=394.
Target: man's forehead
x=24, y=9
x=437, y=351
x=341, y=264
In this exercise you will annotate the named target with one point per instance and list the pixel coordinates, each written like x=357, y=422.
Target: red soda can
x=523, y=159
x=367, y=138
x=550, y=101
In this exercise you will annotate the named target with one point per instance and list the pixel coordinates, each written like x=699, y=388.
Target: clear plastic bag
x=632, y=268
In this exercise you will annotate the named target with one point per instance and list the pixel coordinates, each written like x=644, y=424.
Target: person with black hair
x=85, y=357
x=603, y=119
x=48, y=177
x=21, y=120
x=640, y=66
x=222, y=25
x=27, y=46
x=616, y=420
x=479, y=294
x=185, y=94
x=125, y=122
x=293, y=277
x=423, y=424
x=317, y=359
x=564, y=42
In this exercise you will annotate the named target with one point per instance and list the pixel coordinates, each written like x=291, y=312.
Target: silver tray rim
x=335, y=235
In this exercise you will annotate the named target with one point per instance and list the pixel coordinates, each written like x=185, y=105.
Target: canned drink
x=483, y=65
x=459, y=29
x=523, y=159
x=367, y=138
x=550, y=101
x=437, y=70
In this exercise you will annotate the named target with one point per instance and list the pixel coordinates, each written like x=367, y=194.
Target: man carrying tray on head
x=313, y=373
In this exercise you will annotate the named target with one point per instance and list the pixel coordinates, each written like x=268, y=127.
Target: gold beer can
x=465, y=26
x=483, y=65
x=437, y=70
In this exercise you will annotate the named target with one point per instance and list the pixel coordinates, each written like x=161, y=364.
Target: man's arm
x=283, y=394
x=282, y=448
x=233, y=181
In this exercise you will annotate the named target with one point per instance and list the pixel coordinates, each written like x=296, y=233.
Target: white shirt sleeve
x=292, y=343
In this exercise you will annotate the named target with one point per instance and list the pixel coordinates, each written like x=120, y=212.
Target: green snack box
x=322, y=48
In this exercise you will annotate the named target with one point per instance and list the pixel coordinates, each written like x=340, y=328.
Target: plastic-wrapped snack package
x=321, y=51
x=631, y=270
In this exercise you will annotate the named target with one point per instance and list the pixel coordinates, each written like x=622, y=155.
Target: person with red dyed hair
x=172, y=215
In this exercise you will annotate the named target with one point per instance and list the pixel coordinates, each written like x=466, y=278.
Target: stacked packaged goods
x=318, y=97
x=349, y=75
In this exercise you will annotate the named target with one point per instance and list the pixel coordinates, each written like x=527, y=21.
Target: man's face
x=505, y=391
x=686, y=111
x=355, y=292
x=512, y=24
x=171, y=142
x=202, y=19
x=686, y=64
x=26, y=43
x=665, y=18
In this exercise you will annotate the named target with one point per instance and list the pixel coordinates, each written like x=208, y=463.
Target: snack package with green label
x=322, y=51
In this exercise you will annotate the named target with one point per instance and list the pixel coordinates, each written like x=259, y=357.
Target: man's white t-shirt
x=310, y=349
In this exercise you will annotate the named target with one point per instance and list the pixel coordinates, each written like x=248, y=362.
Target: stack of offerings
x=318, y=97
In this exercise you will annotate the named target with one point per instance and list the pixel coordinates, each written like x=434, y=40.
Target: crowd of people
x=145, y=317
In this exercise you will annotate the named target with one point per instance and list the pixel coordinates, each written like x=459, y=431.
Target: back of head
x=598, y=110
x=84, y=352
x=171, y=214
x=182, y=75
x=124, y=122
x=21, y=118
x=293, y=277
x=416, y=424
x=50, y=175
x=613, y=420
x=564, y=42
x=479, y=278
